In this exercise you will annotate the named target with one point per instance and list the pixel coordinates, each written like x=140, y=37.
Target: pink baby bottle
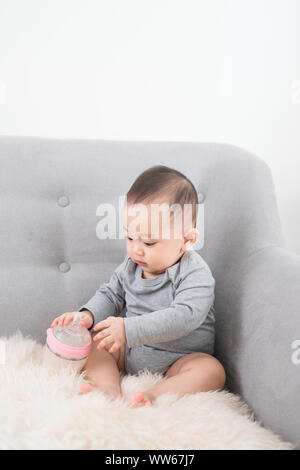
x=68, y=345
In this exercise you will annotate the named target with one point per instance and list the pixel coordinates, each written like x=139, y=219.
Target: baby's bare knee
x=96, y=355
x=104, y=351
x=220, y=374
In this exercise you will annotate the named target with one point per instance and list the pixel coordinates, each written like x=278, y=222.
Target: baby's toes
x=85, y=388
x=139, y=399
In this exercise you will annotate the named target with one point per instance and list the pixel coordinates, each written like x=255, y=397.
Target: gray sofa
x=52, y=260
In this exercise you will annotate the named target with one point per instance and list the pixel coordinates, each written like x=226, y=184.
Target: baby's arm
x=193, y=300
x=109, y=299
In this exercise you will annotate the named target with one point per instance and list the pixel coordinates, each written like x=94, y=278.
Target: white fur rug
x=41, y=410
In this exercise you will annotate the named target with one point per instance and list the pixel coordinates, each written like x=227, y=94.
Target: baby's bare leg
x=103, y=370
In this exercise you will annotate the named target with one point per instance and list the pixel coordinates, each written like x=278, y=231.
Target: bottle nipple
x=77, y=319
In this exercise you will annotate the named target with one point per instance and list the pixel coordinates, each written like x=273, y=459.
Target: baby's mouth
x=140, y=262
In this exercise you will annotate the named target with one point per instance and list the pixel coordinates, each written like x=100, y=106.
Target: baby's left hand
x=114, y=332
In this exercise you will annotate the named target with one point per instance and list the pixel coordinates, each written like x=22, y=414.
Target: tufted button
x=201, y=198
x=63, y=201
x=64, y=267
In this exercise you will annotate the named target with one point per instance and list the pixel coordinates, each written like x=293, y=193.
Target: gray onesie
x=165, y=317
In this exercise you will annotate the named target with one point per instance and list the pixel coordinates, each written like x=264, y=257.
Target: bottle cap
x=73, y=341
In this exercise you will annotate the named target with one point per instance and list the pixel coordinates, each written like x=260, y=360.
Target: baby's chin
x=153, y=272
x=157, y=270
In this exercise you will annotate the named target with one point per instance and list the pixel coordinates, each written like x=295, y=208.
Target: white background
x=180, y=70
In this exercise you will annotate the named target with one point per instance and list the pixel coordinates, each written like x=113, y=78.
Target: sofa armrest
x=267, y=356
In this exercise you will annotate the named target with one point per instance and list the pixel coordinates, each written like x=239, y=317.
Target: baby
x=167, y=291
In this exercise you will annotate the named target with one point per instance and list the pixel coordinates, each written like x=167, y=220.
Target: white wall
x=188, y=70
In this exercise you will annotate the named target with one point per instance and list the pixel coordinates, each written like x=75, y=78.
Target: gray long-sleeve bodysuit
x=166, y=317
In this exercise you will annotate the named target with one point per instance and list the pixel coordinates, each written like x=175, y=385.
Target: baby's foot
x=85, y=388
x=140, y=399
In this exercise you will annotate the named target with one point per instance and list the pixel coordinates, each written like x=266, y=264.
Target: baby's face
x=152, y=242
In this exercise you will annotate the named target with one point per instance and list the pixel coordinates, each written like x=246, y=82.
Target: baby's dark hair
x=161, y=182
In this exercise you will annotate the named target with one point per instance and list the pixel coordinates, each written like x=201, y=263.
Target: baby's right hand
x=66, y=318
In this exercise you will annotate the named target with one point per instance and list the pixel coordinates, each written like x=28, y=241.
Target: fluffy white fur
x=40, y=409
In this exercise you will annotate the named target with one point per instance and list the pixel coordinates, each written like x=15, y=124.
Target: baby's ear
x=196, y=235
x=190, y=239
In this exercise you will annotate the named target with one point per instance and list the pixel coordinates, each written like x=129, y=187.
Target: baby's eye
x=147, y=244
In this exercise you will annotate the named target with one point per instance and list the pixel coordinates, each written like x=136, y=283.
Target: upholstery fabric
x=52, y=259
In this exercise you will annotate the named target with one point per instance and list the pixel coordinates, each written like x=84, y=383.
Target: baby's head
x=160, y=218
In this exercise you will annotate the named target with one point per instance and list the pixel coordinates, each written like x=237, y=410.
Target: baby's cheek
x=157, y=258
